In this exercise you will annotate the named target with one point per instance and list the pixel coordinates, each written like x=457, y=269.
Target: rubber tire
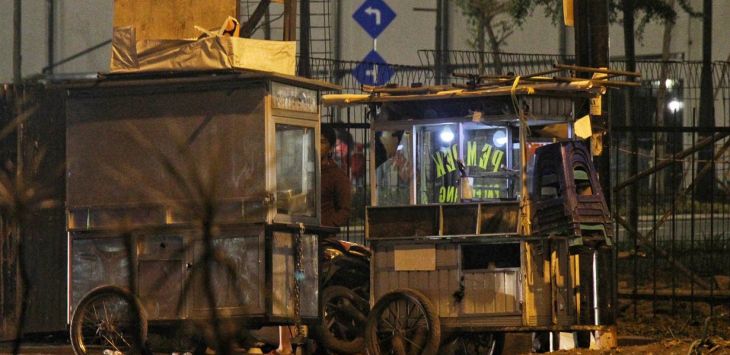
x=450, y=346
x=326, y=337
x=431, y=346
x=541, y=342
x=75, y=327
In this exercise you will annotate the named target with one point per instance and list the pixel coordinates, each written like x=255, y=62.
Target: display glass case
x=295, y=171
x=393, y=167
x=444, y=163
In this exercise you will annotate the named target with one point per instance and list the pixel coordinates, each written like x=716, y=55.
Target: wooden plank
x=500, y=298
x=444, y=291
x=469, y=296
x=418, y=257
x=446, y=255
x=154, y=19
x=403, y=278
x=480, y=288
x=393, y=276
x=420, y=278
x=380, y=258
x=491, y=293
x=510, y=291
x=383, y=283
x=432, y=280
x=388, y=257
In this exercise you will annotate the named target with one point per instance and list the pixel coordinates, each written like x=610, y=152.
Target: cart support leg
x=606, y=338
x=596, y=309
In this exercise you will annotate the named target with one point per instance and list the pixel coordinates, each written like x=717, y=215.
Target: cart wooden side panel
x=479, y=296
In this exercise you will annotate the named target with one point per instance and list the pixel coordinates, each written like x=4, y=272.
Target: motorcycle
x=345, y=287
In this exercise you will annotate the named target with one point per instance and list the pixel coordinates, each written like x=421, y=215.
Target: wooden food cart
x=482, y=221
x=167, y=173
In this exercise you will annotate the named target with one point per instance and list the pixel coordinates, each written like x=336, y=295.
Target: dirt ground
x=670, y=329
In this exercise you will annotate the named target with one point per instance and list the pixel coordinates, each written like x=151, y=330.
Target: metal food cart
x=480, y=224
x=169, y=172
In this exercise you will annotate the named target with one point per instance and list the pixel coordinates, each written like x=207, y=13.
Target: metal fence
x=352, y=127
x=673, y=224
x=673, y=243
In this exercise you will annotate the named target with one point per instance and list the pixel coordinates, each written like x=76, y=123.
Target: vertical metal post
x=304, y=39
x=445, y=19
x=441, y=45
x=267, y=24
x=692, y=200
x=51, y=33
x=17, y=56
x=654, y=220
x=290, y=20
x=596, y=308
x=338, y=29
x=674, y=214
x=437, y=44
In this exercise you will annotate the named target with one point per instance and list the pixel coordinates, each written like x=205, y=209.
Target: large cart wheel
x=344, y=315
x=473, y=343
x=109, y=320
x=403, y=322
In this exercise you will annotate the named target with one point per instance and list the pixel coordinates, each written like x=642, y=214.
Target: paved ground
x=37, y=349
x=514, y=344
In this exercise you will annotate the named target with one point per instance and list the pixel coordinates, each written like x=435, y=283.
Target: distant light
x=499, y=139
x=675, y=105
x=446, y=135
x=669, y=83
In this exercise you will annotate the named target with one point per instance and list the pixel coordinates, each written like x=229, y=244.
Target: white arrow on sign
x=376, y=12
x=373, y=73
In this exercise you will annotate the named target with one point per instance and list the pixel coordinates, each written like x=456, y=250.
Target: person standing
x=336, y=196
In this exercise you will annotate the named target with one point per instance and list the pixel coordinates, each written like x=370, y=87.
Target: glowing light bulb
x=675, y=105
x=499, y=139
x=446, y=135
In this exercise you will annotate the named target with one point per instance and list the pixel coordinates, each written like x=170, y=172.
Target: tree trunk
x=705, y=188
x=480, y=44
x=630, y=53
x=494, y=46
x=660, y=150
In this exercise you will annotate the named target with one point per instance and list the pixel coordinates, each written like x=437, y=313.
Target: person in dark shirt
x=336, y=194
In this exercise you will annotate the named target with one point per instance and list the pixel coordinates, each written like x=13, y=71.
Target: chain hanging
x=298, y=279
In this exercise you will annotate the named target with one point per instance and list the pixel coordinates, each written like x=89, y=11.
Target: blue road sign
x=373, y=70
x=374, y=16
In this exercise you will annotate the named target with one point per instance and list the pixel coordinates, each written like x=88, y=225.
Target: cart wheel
x=473, y=343
x=109, y=320
x=344, y=314
x=403, y=322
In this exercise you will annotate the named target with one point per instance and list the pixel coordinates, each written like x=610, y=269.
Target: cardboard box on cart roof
x=154, y=35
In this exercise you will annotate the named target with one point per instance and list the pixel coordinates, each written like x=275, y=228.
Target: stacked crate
x=567, y=195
